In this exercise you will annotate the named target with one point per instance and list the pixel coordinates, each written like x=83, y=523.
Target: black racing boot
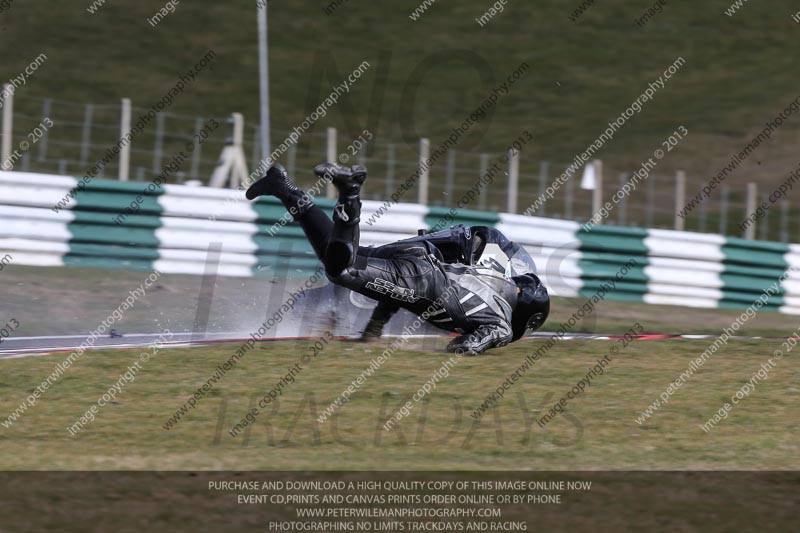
x=278, y=184
x=343, y=241
x=347, y=180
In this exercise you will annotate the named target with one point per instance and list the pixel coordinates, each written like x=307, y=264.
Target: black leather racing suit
x=433, y=276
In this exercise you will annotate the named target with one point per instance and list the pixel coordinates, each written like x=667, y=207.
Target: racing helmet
x=533, y=305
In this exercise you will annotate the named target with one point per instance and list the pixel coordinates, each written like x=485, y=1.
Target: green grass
x=597, y=433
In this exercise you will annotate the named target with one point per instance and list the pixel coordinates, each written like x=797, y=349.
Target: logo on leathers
x=390, y=289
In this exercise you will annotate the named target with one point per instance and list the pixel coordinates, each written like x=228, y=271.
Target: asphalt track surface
x=30, y=346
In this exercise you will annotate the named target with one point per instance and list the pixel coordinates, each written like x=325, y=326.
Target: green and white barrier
x=174, y=227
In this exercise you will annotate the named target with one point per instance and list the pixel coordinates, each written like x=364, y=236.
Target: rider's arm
x=380, y=317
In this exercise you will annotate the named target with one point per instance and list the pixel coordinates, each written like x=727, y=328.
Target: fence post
x=449, y=177
x=680, y=198
x=86, y=137
x=330, y=156
x=513, y=181
x=723, y=216
x=254, y=158
x=784, y=221
x=568, y=198
x=752, y=199
x=703, y=214
x=362, y=155
x=424, y=176
x=46, y=111
x=651, y=201
x=124, y=129
x=544, y=171
x=8, y=121
x=195, y=168
x=238, y=130
x=597, y=193
x=158, y=149
x=390, y=159
x=764, y=220
x=622, y=214
x=239, y=174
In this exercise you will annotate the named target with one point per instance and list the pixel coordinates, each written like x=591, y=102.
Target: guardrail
x=174, y=227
